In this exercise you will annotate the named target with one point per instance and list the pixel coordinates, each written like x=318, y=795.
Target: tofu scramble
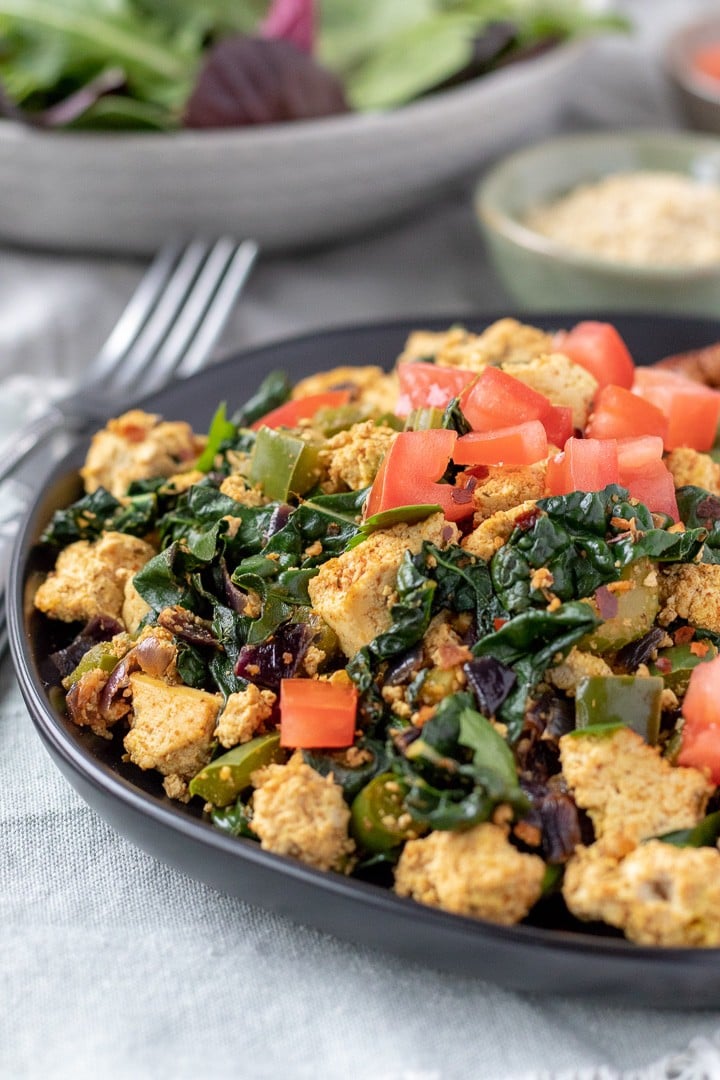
x=452, y=628
x=646, y=218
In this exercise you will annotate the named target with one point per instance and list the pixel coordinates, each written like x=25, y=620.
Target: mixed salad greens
x=426, y=627
x=134, y=63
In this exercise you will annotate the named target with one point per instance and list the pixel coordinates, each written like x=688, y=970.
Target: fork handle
x=31, y=436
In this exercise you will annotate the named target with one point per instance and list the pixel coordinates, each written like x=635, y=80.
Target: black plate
x=526, y=957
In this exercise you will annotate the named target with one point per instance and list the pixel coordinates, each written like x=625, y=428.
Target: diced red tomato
x=653, y=485
x=290, y=414
x=701, y=709
x=584, y=465
x=497, y=400
x=558, y=425
x=640, y=450
x=410, y=471
x=598, y=347
x=618, y=413
x=425, y=385
x=701, y=746
x=706, y=60
x=317, y=714
x=522, y=444
x=693, y=410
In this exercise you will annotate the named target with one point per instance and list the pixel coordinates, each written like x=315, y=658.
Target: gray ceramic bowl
x=698, y=95
x=543, y=274
x=285, y=185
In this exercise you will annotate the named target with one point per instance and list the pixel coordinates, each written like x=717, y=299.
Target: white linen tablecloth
x=114, y=965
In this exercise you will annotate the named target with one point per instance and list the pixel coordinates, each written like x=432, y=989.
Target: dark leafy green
x=459, y=769
x=273, y=391
x=132, y=63
x=529, y=643
x=94, y=514
x=220, y=431
x=584, y=540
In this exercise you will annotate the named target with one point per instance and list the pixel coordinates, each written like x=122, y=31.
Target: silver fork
x=167, y=331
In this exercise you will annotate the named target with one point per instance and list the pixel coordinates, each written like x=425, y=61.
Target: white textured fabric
x=116, y=966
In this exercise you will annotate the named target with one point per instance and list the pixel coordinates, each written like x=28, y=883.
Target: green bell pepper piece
x=675, y=665
x=283, y=464
x=223, y=779
x=329, y=421
x=103, y=656
x=636, y=611
x=376, y=814
x=620, y=699
x=424, y=419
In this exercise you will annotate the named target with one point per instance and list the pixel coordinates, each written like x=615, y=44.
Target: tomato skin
x=289, y=414
x=640, y=450
x=497, y=400
x=584, y=465
x=701, y=749
x=653, y=485
x=523, y=444
x=598, y=347
x=559, y=425
x=618, y=413
x=409, y=473
x=701, y=710
x=314, y=714
x=692, y=410
x=424, y=385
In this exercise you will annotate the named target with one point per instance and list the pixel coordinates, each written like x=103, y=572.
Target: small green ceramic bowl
x=542, y=274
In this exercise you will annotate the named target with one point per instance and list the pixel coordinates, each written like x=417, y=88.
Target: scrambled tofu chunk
x=473, y=872
x=692, y=592
x=171, y=727
x=577, y=665
x=630, y=791
x=504, y=340
x=490, y=535
x=244, y=714
x=134, y=608
x=691, y=467
x=352, y=458
x=137, y=446
x=658, y=895
x=89, y=578
x=560, y=380
x=298, y=812
x=353, y=592
x=505, y=488
x=237, y=488
x=370, y=385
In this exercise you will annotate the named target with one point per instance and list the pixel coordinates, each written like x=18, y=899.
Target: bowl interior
x=551, y=169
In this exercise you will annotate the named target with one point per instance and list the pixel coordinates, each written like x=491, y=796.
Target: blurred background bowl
x=542, y=273
x=284, y=185
x=697, y=94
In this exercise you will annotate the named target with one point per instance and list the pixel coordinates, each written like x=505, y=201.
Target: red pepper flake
x=525, y=522
x=478, y=472
x=499, y=623
x=699, y=648
x=664, y=665
x=683, y=635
